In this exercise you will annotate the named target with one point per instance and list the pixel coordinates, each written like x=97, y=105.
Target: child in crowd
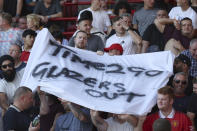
x=28, y=38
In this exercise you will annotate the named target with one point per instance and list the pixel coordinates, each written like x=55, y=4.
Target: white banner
x=118, y=84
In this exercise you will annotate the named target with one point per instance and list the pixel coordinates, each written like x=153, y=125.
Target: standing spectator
x=101, y=19
x=10, y=82
x=47, y=9
x=181, y=37
x=94, y=42
x=15, y=118
x=29, y=38
x=153, y=37
x=145, y=16
x=178, y=120
x=33, y=22
x=191, y=53
x=15, y=51
x=179, y=85
x=182, y=11
x=122, y=7
x=129, y=39
x=8, y=35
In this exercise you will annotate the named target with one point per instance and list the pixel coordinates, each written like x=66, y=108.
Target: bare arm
x=3, y=101
x=100, y=123
x=160, y=23
x=145, y=45
x=129, y=118
x=141, y=120
x=19, y=7
x=44, y=107
x=77, y=112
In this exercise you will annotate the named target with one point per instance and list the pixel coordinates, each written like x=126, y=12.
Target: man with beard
x=10, y=82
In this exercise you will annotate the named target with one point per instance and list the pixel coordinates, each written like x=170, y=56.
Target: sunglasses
x=182, y=82
x=8, y=65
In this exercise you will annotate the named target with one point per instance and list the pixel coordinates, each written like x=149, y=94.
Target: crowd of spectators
x=157, y=26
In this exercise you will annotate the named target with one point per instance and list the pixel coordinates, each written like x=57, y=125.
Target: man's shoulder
x=177, y=8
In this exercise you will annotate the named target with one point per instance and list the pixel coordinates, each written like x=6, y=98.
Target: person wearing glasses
x=179, y=85
x=9, y=83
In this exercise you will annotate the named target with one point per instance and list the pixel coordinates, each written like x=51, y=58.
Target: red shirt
x=180, y=122
x=25, y=56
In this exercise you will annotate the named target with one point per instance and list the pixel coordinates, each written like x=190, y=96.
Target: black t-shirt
x=154, y=37
x=14, y=120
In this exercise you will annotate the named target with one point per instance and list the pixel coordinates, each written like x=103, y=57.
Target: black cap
x=184, y=59
x=85, y=15
x=161, y=125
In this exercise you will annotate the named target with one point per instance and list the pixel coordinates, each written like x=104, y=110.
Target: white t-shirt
x=116, y=126
x=178, y=14
x=9, y=88
x=126, y=41
x=100, y=19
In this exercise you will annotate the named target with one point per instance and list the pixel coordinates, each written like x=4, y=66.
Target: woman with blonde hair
x=33, y=22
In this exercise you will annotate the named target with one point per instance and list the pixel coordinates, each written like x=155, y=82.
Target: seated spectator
x=10, y=82
x=184, y=10
x=153, y=38
x=59, y=37
x=80, y=40
x=114, y=49
x=88, y=15
x=181, y=37
x=179, y=86
x=94, y=42
x=119, y=122
x=178, y=120
x=192, y=108
x=192, y=55
x=122, y=7
x=47, y=9
x=15, y=51
x=22, y=23
x=182, y=64
x=162, y=125
x=33, y=22
x=145, y=16
x=129, y=39
x=77, y=119
x=101, y=19
x=8, y=35
x=29, y=38
x=15, y=118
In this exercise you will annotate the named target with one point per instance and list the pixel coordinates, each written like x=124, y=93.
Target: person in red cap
x=114, y=49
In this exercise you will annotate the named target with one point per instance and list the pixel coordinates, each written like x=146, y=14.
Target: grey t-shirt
x=53, y=9
x=94, y=43
x=143, y=18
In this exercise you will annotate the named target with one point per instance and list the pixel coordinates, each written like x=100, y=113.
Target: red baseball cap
x=115, y=46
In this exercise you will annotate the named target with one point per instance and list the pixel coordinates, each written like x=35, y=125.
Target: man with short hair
x=145, y=16
x=10, y=82
x=94, y=42
x=125, y=36
x=8, y=35
x=80, y=40
x=153, y=38
x=101, y=19
x=183, y=10
x=178, y=120
x=15, y=118
x=179, y=85
x=15, y=51
x=191, y=53
x=181, y=37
